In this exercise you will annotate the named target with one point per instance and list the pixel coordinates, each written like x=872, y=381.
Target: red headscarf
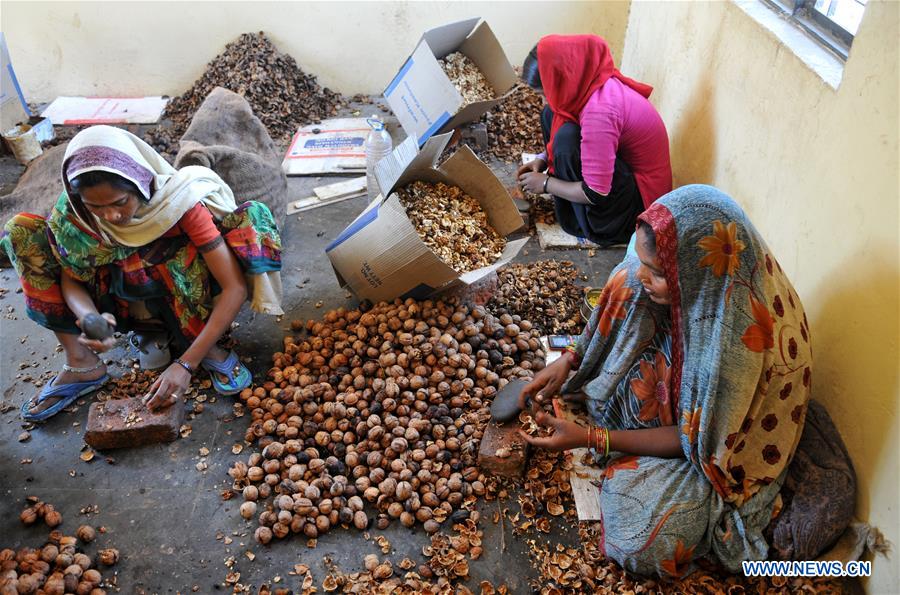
x=572, y=67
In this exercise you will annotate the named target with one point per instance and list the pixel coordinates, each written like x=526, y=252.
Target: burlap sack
x=37, y=190
x=226, y=137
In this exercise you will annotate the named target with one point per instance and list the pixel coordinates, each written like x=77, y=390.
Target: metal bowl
x=591, y=296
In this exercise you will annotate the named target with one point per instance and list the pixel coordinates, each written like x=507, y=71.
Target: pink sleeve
x=600, y=132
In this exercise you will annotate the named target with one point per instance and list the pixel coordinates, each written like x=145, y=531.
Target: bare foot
x=217, y=354
x=67, y=377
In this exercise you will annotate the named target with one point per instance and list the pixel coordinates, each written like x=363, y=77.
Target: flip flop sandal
x=67, y=392
x=228, y=377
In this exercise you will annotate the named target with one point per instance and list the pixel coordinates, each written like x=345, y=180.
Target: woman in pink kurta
x=607, y=156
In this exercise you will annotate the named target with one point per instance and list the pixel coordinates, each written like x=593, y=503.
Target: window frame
x=828, y=33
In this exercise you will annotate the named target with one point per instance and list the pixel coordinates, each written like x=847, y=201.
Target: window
x=832, y=23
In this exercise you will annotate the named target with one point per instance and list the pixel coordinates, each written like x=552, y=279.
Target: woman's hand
x=546, y=383
x=95, y=345
x=168, y=388
x=227, y=272
x=533, y=182
x=566, y=434
x=535, y=165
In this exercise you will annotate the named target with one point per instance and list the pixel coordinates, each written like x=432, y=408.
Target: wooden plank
x=329, y=194
x=585, y=481
x=584, y=478
x=314, y=202
x=553, y=236
x=354, y=186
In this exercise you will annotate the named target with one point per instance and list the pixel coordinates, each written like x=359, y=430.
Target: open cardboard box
x=424, y=99
x=380, y=255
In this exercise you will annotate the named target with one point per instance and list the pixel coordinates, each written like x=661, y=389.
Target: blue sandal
x=68, y=393
x=230, y=376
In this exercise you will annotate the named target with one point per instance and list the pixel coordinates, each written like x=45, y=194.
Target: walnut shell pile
x=467, y=78
x=514, y=126
x=133, y=383
x=452, y=224
x=543, y=291
x=282, y=96
x=378, y=415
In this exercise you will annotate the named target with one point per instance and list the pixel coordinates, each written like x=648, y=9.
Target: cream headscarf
x=167, y=193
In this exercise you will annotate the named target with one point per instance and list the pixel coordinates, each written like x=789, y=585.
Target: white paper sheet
x=105, y=110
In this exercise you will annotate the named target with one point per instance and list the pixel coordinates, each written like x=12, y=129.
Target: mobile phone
x=560, y=342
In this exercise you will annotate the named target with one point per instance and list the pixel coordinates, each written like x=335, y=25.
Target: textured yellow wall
x=134, y=48
x=817, y=171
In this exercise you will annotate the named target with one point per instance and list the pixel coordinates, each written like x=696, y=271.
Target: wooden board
x=329, y=195
x=354, y=186
x=585, y=481
x=584, y=478
x=553, y=236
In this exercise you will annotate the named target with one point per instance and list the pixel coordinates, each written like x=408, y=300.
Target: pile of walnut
x=542, y=209
x=545, y=292
x=56, y=568
x=386, y=408
x=467, y=78
x=514, y=125
x=452, y=224
x=40, y=510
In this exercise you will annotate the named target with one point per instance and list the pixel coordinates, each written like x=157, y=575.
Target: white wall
x=134, y=48
x=817, y=171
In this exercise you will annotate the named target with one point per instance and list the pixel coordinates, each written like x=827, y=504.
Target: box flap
x=486, y=52
x=447, y=38
x=470, y=113
x=380, y=255
x=343, y=284
x=478, y=181
x=407, y=163
x=421, y=95
x=13, y=107
x=512, y=248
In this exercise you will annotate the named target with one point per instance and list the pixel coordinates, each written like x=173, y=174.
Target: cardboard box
x=380, y=256
x=424, y=99
x=13, y=107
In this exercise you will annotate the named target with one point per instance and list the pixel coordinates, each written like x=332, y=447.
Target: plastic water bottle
x=378, y=146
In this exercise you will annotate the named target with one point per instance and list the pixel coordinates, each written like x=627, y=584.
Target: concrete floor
x=160, y=511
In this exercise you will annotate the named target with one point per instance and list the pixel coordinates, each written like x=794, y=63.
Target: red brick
x=121, y=423
x=507, y=437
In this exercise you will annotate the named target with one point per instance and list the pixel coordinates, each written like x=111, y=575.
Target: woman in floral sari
x=149, y=247
x=695, y=367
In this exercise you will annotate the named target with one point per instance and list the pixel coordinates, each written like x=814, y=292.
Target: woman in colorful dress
x=607, y=150
x=695, y=369
x=150, y=248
